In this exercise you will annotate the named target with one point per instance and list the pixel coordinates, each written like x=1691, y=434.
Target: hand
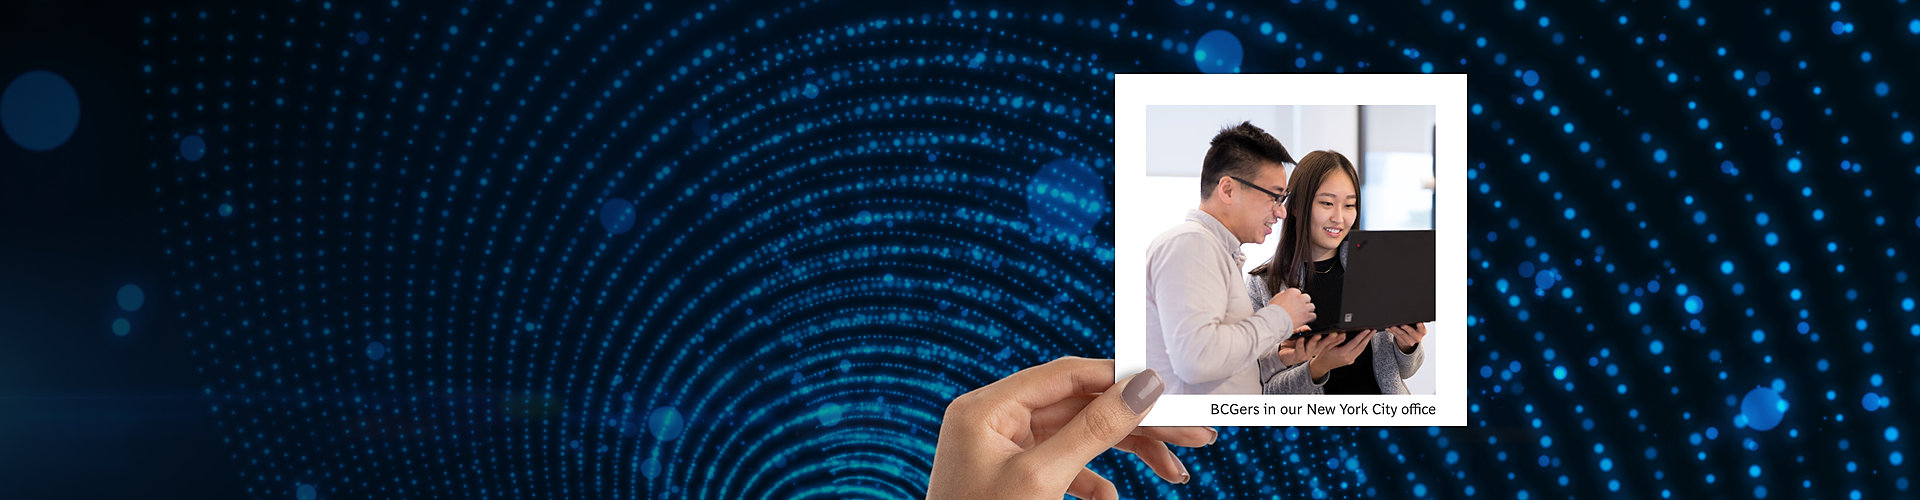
x=1298, y=304
x=1339, y=355
x=1408, y=336
x=1031, y=434
x=1291, y=352
x=1298, y=350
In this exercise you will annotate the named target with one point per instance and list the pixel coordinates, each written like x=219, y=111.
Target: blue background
x=724, y=250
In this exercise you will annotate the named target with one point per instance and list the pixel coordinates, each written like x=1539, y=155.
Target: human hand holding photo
x=1031, y=434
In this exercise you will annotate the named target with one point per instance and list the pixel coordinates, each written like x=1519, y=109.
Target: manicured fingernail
x=1184, y=476
x=1142, y=391
x=1216, y=435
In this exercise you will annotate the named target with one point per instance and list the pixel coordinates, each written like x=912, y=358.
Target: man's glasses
x=1279, y=199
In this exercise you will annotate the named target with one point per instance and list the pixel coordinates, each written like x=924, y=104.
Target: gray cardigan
x=1390, y=366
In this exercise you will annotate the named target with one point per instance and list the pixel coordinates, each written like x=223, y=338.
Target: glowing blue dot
x=1906, y=304
x=1066, y=196
x=811, y=91
x=121, y=327
x=831, y=413
x=375, y=351
x=1892, y=434
x=1544, y=279
x=1476, y=108
x=1217, y=52
x=1786, y=36
x=617, y=215
x=1656, y=346
x=1726, y=267
x=1427, y=67
x=650, y=468
x=1763, y=408
x=193, y=148
x=130, y=297
x=39, y=110
x=1880, y=89
x=1659, y=155
x=1759, y=336
x=304, y=492
x=1559, y=373
x=1633, y=308
x=453, y=30
x=1870, y=401
x=1519, y=4
x=1568, y=214
x=226, y=209
x=361, y=38
x=666, y=423
x=1694, y=304
x=1530, y=78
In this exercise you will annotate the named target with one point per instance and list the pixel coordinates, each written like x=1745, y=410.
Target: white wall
x=1398, y=191
x=1177, y=136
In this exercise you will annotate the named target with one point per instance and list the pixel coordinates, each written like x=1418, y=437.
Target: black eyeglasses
x=1279, y=199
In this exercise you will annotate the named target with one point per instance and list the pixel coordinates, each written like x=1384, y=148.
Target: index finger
x=1040, y=386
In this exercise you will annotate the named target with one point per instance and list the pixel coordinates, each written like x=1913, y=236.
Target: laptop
x=1389, y=281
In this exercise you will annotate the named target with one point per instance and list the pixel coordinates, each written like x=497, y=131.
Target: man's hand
x=1298, y=305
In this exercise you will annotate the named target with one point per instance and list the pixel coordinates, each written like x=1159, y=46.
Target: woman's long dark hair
x=1288, y=269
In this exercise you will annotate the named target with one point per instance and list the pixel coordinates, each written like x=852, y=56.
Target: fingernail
x=1216, y=435
x=1142, y=391
x=1184, y=476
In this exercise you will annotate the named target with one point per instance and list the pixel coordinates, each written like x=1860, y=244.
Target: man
x=1203, y=336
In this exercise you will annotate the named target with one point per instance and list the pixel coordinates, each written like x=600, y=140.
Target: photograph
x=1287, y=249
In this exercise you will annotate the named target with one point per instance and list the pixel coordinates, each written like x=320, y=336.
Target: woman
x=1312, y=257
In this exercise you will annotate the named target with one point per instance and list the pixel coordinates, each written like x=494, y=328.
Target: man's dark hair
x=1239, y=151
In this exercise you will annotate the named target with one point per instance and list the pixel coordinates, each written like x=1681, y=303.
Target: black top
x=1324, y=286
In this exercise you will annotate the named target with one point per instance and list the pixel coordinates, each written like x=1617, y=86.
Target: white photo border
x=1446, y=93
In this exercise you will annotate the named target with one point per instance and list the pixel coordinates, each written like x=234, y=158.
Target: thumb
x=1099, y=426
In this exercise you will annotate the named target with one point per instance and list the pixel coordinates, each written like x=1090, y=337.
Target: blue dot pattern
x=719, y=250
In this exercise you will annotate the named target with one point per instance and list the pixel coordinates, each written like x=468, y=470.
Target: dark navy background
x=312, y=249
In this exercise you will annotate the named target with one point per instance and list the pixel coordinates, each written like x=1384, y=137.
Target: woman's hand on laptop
x=1408, y=336
x=1337, y=354
x=1298, y=305
x=1300, y=350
